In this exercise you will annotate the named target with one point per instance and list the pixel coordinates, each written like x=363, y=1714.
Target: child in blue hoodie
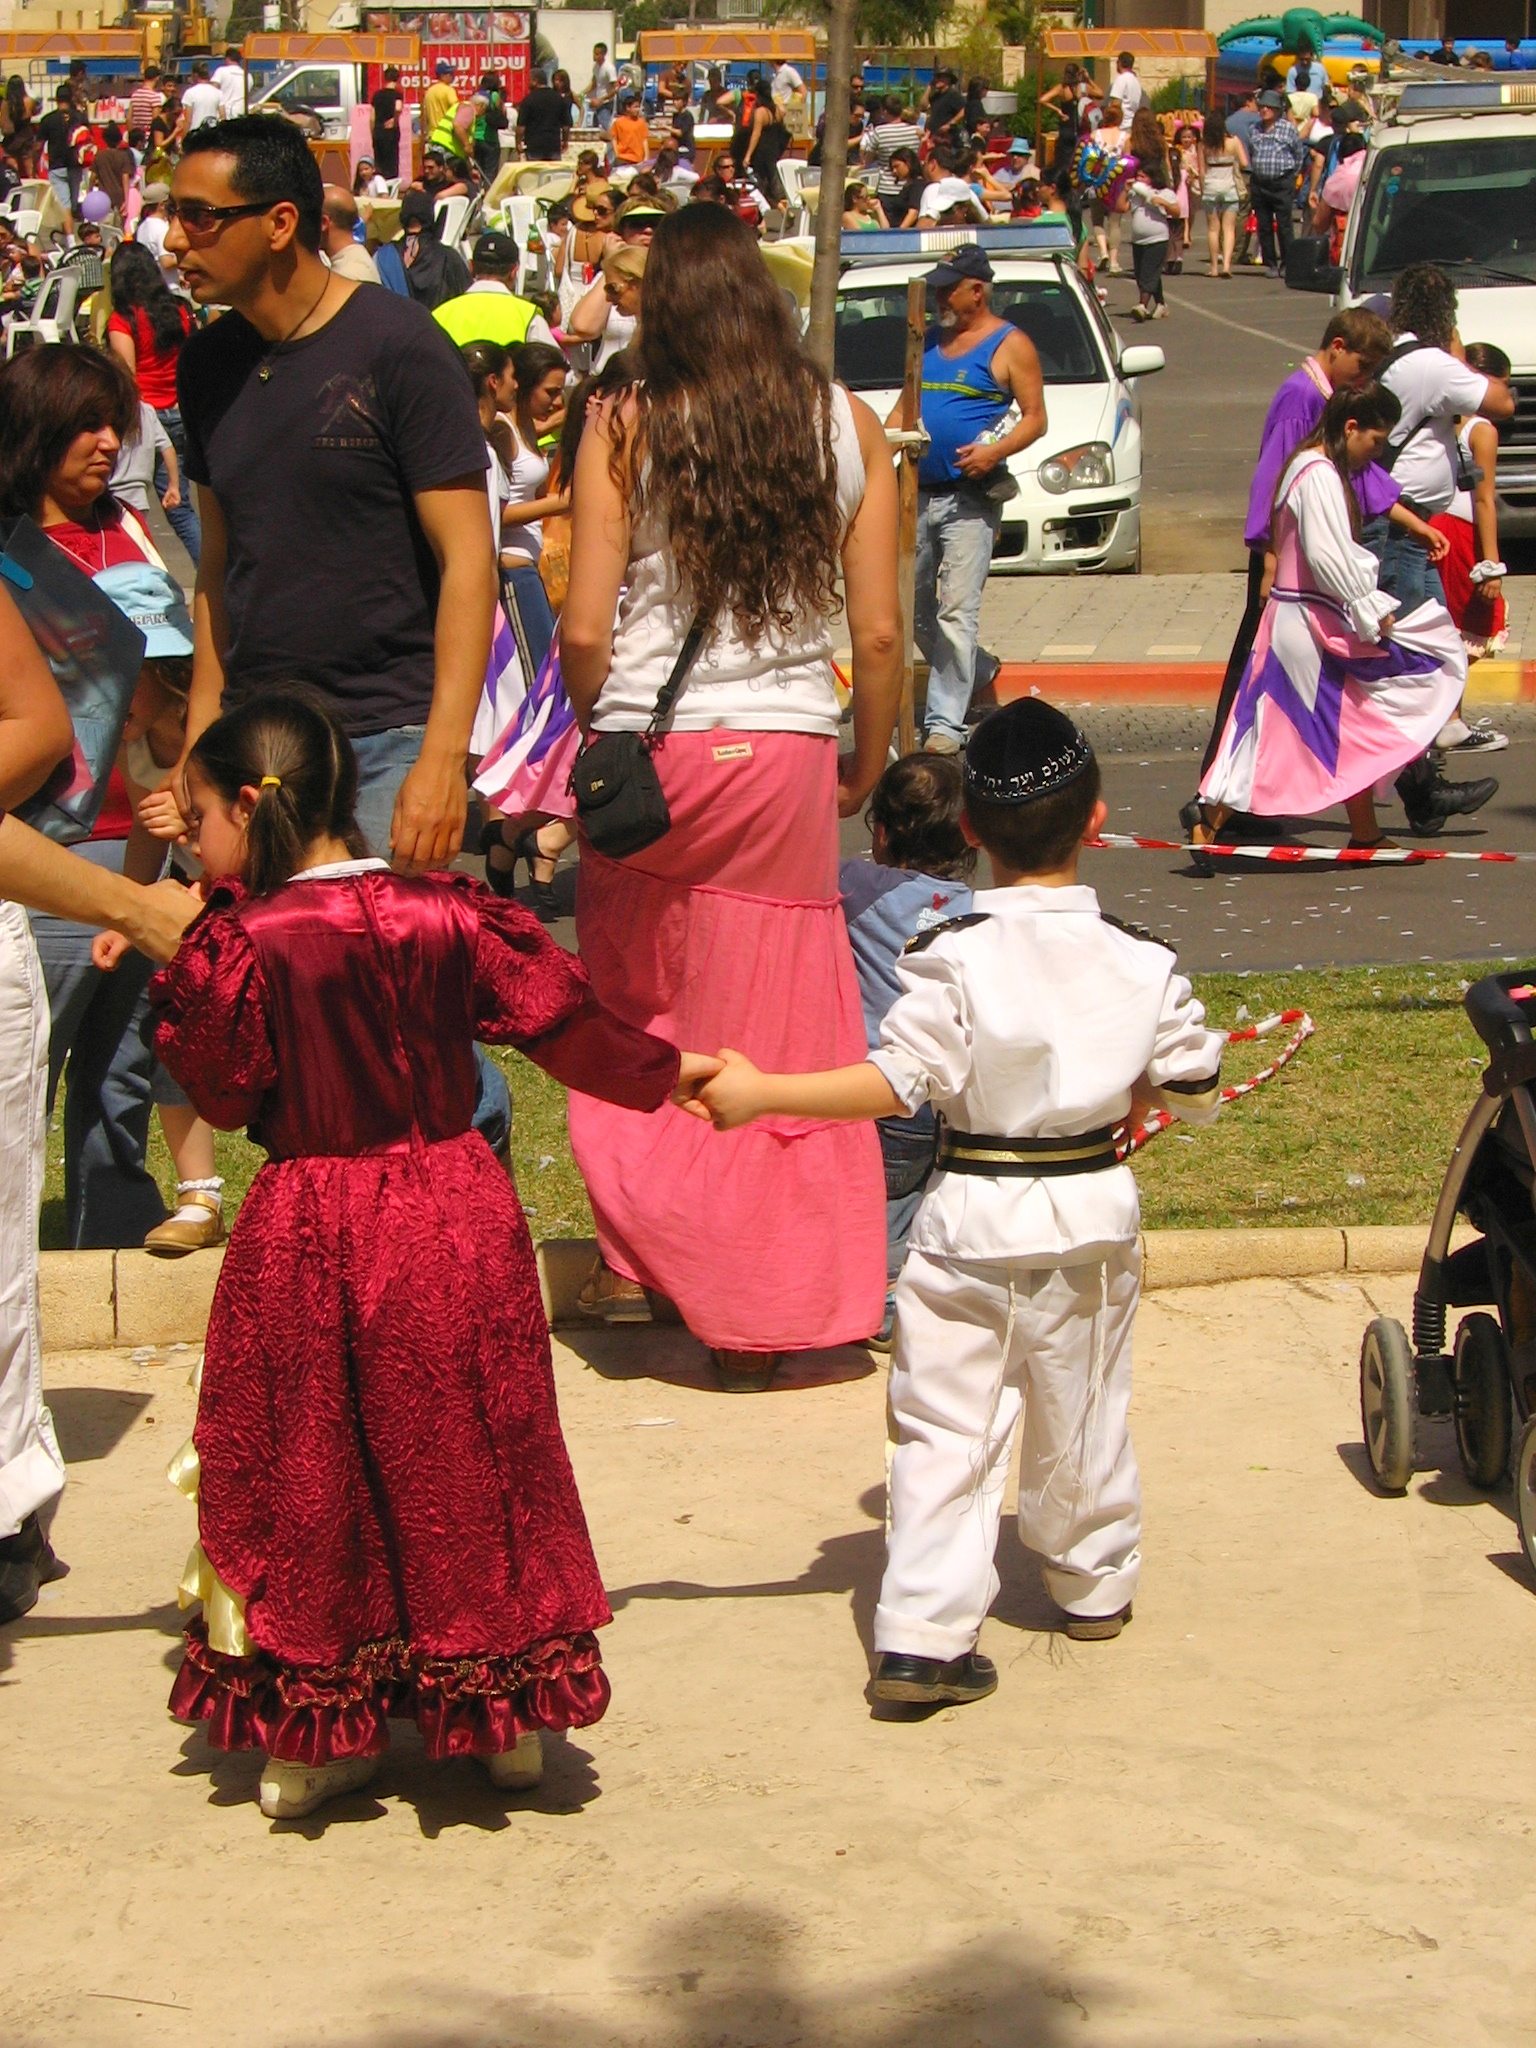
x=918, y=876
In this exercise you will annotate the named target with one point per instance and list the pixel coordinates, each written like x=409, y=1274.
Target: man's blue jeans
x=1406, y=571
x=955, y=533
x=384, y=759
x=99, y=1024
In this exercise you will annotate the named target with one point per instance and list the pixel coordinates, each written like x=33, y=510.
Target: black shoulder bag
x=619, y=797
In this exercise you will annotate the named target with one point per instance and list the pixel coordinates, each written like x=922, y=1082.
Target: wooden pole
x=910, y=419
x=1039, y=110
x=821, y=329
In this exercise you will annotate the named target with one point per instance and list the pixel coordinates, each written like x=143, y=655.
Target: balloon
x=1103, y=172
x=95, y=206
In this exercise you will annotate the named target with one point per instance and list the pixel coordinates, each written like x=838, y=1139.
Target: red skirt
x=383, y=1478
x=1476, y=618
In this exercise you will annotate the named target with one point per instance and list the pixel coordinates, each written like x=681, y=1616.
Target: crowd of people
x=449, y=592
x=387, y=1518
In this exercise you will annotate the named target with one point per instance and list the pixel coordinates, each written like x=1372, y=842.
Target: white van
x=1451, y=179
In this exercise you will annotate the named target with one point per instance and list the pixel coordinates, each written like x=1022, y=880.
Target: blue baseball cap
x=153, y=602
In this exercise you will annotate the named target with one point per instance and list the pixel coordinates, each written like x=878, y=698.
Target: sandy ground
x=1293, y=1804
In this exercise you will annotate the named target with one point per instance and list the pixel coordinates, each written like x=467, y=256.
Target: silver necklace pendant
x=265, y=373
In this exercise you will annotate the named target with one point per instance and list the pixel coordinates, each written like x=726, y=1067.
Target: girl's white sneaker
x=289, y=1791
x=519, y=1769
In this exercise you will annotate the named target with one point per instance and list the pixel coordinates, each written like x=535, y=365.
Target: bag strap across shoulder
x=686, y=655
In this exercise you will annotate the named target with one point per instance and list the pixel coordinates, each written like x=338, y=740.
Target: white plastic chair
x=452, y=215
x=52, y=317
x=802, y=189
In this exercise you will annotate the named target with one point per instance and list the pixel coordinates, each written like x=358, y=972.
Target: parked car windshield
x=872, y=331
x=1468, y=206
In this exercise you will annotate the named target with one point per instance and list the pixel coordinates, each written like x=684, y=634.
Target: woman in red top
x=64, y=413
x=146, y=330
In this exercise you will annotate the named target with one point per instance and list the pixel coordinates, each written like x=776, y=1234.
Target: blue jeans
x=99, y=1024
x=185, y=523
x=532, y=621
x=1406, y=571
x=907, y=1148
x=955, y=533
x=384, y=759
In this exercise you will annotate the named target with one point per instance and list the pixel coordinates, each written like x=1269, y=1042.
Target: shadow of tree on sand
x=729, y=1976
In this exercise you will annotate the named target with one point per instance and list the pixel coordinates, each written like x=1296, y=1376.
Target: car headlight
x=1077, y=469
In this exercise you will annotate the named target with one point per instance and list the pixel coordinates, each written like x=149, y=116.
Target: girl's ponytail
x=289, y=748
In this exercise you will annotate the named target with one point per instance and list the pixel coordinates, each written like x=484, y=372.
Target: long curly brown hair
x=732, y=441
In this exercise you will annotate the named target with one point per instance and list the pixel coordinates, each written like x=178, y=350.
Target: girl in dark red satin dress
x=388, y=1519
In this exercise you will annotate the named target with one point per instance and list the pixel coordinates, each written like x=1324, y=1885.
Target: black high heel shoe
x=541, y=895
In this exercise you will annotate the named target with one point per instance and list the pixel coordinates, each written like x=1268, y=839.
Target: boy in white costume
x=1030, y=1025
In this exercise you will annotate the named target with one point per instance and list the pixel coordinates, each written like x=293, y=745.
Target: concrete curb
x=92, y=1301
x=1150, y=682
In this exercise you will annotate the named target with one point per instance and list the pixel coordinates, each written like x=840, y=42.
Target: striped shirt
x=143, y=106
x=888, y=138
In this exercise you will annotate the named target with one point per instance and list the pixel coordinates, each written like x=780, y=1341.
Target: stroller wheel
x=1525, y=1491
x=1387, y=1403
x=1482, y=1400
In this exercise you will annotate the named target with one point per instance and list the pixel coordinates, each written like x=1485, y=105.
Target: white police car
x=1079, y=501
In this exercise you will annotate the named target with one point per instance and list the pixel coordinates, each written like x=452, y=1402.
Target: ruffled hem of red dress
x=308, y=1714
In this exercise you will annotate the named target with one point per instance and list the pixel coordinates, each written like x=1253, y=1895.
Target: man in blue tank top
x=975, y=367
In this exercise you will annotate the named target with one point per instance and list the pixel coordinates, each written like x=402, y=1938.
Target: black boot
x=1429, y=799
x=27, y=1562
x=925, y=1682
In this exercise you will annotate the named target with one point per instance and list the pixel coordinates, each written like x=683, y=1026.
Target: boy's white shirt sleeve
x=925, y=1038
x=1185, y=1067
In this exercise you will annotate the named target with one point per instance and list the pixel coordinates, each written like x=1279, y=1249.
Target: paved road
x=1228, y=347
x=1279, y=917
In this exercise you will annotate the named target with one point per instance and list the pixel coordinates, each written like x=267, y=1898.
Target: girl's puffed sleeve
x=211, y=1019
x=531, y=993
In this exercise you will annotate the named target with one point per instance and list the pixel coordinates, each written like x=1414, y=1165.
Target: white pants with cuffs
x=980, y=1348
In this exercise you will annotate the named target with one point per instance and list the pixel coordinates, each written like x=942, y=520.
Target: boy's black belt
x=1027, y=1158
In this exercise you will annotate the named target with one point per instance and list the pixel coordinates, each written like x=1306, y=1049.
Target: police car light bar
x=1018, y=238
x=1467, y=96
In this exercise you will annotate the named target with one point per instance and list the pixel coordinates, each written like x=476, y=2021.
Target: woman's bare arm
x=599, y=557
x=874, y=616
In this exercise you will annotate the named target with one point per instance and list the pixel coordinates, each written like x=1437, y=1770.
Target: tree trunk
x=822, y=333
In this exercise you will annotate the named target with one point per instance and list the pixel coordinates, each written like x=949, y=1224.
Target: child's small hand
x=736, y=1094
x=1436, y=545
x=107, y=948
x=160, y=813
x=693, y=1070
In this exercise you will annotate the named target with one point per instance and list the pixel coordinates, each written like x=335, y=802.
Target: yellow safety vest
x=486, y=316
x=446, y=137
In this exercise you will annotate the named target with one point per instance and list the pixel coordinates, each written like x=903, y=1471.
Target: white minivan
x=1451, y=179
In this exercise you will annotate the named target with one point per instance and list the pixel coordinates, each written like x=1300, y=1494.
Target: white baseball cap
x=944, y=193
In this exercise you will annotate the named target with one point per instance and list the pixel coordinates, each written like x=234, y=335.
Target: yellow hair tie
x=271, y=782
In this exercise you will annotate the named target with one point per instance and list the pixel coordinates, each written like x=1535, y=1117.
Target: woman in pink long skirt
x=729, y=485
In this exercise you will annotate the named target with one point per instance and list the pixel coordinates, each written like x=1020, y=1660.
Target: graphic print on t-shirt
x=350, y=412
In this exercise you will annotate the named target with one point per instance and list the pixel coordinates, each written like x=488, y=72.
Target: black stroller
x=1488, y=1382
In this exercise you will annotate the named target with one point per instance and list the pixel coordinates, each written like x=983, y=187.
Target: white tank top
x=781, y=683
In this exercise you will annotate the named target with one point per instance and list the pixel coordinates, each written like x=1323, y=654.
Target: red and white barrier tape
x=1292, y=856
x=1160, y=1119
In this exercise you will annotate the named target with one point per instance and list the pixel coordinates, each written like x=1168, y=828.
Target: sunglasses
x=202, y=222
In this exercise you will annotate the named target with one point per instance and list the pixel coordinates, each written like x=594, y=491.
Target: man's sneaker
x=1428, y=806
x=1461, y=739
x=1096, y=1628
x=925, y=1682
x=940, y=743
